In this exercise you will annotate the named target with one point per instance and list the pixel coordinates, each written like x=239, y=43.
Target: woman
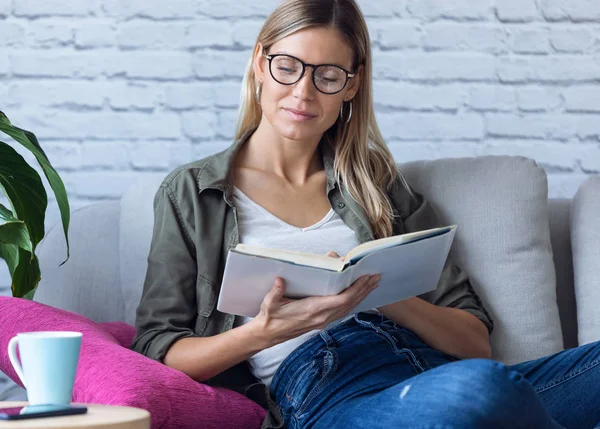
x=309, y=171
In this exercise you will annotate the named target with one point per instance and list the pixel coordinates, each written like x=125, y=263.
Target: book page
x=366, y=248
x=298, y=258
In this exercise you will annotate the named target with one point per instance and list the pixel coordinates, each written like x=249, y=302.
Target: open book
x=410, y=264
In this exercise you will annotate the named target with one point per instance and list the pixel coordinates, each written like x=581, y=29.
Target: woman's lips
x=299, y=116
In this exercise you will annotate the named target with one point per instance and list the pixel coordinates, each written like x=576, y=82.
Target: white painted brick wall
x=116, y=90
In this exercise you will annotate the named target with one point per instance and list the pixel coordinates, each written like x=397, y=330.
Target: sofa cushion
x=135, y=236
x=500, y=204
x=109, y=373
x=585, y=242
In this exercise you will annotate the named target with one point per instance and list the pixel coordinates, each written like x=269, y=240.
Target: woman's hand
x=282, y=318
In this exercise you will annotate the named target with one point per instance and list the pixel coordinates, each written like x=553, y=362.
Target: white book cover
x=407, y=269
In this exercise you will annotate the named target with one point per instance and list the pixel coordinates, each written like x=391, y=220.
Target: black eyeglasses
x=327, y=78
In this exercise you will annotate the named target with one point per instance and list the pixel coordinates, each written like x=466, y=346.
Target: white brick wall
x=118, y=89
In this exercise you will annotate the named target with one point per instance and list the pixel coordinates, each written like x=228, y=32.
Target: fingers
x=275, y=295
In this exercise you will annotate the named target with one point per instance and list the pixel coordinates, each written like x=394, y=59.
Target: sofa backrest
x=109, y=245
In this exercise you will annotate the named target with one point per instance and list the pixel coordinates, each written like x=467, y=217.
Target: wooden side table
x=97, y=417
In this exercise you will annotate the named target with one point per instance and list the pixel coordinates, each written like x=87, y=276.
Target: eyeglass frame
x=304, y=66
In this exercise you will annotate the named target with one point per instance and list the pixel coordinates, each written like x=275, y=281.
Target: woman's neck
x=293, y=160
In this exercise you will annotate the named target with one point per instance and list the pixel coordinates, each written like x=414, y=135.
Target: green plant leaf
x=15, y=232
x=25, y=191
x=10, y=254
x=5, y=213
x=26, y=275
x=29, y=140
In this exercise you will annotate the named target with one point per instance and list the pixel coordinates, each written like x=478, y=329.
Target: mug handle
x=12, y=355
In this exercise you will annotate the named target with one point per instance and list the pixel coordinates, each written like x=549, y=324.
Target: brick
x=471, y=37
x=57, y=93
x=548, y=69
x=245, y=32
x=37, y=8
x=5, y=9
x=97, y=34
x=417, y=97
x=528, y=40
x=407, y=151
x=438, y=66
x=464, y=10
x=538, y=99
x=199, y=124
x=204, y=149
x=543, y=126
x=491, y=98
x=4, y=64
x=180, y=153
x=565, y=185
x=237, y=9
x=226, y=94
x=209, y=33
x=383, y=8
x=517, y=10
x=582, y=99
x=551, y=155
x=186, y=96
x=12, y=35
x=573, y=40
x=227, y=124
x=590, y=158
x=56, y=63
x=49, y=33
x=150, y=65
x=587, y=126
x=391, y=34
x=105, y=155
x=63, y=155
x=213, y=64
x=574, y=10
x=158, y=10
x=432, y=126
x=150, y=155
x=102, y=125
x=152, y=35
x=133, y=96
x=102, y=184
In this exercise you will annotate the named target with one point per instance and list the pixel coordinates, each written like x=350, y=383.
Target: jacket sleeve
x=167, y=308
x=454, y=288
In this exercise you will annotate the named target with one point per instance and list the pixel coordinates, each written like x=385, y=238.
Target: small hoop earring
x=342, y=113
x=257, y=95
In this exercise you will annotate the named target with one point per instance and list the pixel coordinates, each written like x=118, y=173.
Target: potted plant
x=22, y=224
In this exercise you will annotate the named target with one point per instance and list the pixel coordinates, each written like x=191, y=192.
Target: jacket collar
x=215, y=172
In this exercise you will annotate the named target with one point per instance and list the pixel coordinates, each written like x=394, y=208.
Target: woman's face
x=300, y=111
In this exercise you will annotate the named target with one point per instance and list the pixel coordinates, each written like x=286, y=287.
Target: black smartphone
x=38, y=411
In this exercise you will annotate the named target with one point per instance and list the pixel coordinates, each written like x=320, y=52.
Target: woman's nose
x=304, y=88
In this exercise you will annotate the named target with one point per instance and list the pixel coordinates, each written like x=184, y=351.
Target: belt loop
x=329, y=341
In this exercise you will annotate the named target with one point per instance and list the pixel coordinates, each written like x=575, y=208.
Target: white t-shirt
x=259, y=227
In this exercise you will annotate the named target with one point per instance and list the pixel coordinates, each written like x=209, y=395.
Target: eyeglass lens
x=288, y=70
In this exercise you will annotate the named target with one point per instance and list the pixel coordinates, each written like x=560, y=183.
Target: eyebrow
x=296, y=56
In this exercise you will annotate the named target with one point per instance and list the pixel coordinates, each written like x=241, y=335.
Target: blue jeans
x=367, y=372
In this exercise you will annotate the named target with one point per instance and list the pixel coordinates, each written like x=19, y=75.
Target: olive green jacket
x=195, y=225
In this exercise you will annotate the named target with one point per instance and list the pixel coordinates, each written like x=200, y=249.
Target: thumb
x=333, y=255
x=276, y=293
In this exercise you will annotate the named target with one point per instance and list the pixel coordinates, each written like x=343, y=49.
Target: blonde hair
x=363, y=162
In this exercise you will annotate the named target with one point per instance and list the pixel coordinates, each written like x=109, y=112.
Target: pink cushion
x=110, y=373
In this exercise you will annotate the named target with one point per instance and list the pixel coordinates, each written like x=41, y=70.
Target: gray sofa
x=531, y=259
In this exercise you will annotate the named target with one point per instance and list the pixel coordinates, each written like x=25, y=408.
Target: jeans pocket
x=299, y=381
x=323, y=368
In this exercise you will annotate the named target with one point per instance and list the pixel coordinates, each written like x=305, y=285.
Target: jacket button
x=341, y=205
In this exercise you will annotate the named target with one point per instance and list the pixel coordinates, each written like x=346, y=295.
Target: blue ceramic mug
x=49, y=363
